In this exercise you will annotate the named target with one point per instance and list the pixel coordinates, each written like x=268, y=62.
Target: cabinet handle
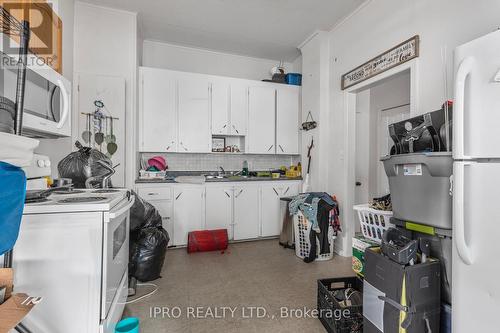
x=286, y=190
x=275, y=191
x=224, y=126
x=236, y=129
x=178, y=196
x=270, y=147
x=239, y=193
x=227, y=194
x=153, y=193
x=170, y=146
x=281, y=148
x=166, y=218
x=183, y=146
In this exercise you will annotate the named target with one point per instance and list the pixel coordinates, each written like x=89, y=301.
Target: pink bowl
x=158, y=162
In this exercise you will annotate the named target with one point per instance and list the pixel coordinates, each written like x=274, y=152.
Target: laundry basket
x=302, y=243
x=373, y=222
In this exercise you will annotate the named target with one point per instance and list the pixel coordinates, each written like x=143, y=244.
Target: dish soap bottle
x=244, y=172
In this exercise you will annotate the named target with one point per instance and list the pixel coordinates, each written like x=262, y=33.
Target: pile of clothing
x=322, y=211
x=383, y=203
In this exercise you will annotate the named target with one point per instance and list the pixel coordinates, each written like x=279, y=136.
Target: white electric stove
x=73, y=251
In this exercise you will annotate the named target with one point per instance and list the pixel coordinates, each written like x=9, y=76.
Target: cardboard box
x=16, y=306
x=359, y=245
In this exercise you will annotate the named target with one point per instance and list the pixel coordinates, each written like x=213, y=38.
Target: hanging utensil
x=112, y=146
x=99, y=137
x=112, y=136
x=108, y=134
x=86, y=135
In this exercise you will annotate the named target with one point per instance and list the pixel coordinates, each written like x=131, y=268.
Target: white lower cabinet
x=246, y=212
x=219, y=208
x=188, y=203
x=272, y=215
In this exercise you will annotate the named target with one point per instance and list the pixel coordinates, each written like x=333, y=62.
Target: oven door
x=47, y=99
x=115, y=252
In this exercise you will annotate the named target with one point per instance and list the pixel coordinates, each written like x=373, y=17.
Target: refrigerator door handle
x=464, y=70
x=463, y=249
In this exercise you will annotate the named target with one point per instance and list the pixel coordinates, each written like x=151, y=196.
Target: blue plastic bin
x=128, y=325
x=294, y=79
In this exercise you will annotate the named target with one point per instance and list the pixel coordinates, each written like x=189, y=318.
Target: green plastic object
x=425, y=229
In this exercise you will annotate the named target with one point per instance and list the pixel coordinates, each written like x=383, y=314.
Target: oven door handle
x=65, y=108
x=122, y=209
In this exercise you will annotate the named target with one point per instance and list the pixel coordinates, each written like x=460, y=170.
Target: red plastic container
x=207, y=240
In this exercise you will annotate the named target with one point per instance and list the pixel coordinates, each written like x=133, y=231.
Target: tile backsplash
x=230, y=162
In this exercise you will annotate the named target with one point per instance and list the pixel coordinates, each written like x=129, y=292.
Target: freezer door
x=476, y=238
x=477, y=99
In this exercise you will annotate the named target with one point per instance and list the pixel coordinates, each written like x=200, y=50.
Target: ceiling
x=269, y=29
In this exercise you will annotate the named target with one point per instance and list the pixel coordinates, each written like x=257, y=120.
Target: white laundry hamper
x=373, y=222
x=302, y=228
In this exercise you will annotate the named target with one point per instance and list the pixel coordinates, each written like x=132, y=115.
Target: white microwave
x=47, y=99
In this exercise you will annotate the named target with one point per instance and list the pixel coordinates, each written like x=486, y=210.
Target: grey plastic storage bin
x=420, y=187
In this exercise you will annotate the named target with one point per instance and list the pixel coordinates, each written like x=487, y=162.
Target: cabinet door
x=287, y=121
x=157, y=116
x=220, y=108
x=188, y=212
x=261, y=120
x=246, y=212
x=164, y=208
x=239, y=109
x=194, y=115
x=218, y=207
x=271, y=211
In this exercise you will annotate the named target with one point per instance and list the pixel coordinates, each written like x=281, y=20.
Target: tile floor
x=251, y=274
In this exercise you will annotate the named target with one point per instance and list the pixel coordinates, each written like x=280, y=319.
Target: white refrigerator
x=476, y=189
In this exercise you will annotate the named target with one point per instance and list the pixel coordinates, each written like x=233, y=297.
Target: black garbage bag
x=82, y=164
x=147, y=253
x=143, y=215
x=148, y=241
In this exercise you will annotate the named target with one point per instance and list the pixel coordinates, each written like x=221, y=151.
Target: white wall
x=315, y=88
x=376, y=27
x=106, y=44
x=188, y=59
x=57, y=149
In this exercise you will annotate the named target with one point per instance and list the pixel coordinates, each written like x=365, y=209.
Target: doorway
x=370, y=107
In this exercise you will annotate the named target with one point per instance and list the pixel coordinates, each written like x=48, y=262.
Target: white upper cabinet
x=261, y=120
x=220, y=108
x=158, y=114
x=179, y=112
x=239, y=109
x=194, y=114
x=287, y=121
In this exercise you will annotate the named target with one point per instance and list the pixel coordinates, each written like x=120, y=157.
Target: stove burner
x=81, y=200
x=35, y=200
x=106, y=191
x=68, y=192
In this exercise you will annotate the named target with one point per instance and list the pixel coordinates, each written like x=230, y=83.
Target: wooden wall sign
x=396, y=56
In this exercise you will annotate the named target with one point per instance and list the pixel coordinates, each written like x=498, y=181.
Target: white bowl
x=17, y=150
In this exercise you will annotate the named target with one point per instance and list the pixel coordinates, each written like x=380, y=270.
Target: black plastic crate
x=332, y=314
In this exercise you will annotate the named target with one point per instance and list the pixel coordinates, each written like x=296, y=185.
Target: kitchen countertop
x=219, y=180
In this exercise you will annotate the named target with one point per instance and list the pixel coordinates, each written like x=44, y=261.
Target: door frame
x=349, y=103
